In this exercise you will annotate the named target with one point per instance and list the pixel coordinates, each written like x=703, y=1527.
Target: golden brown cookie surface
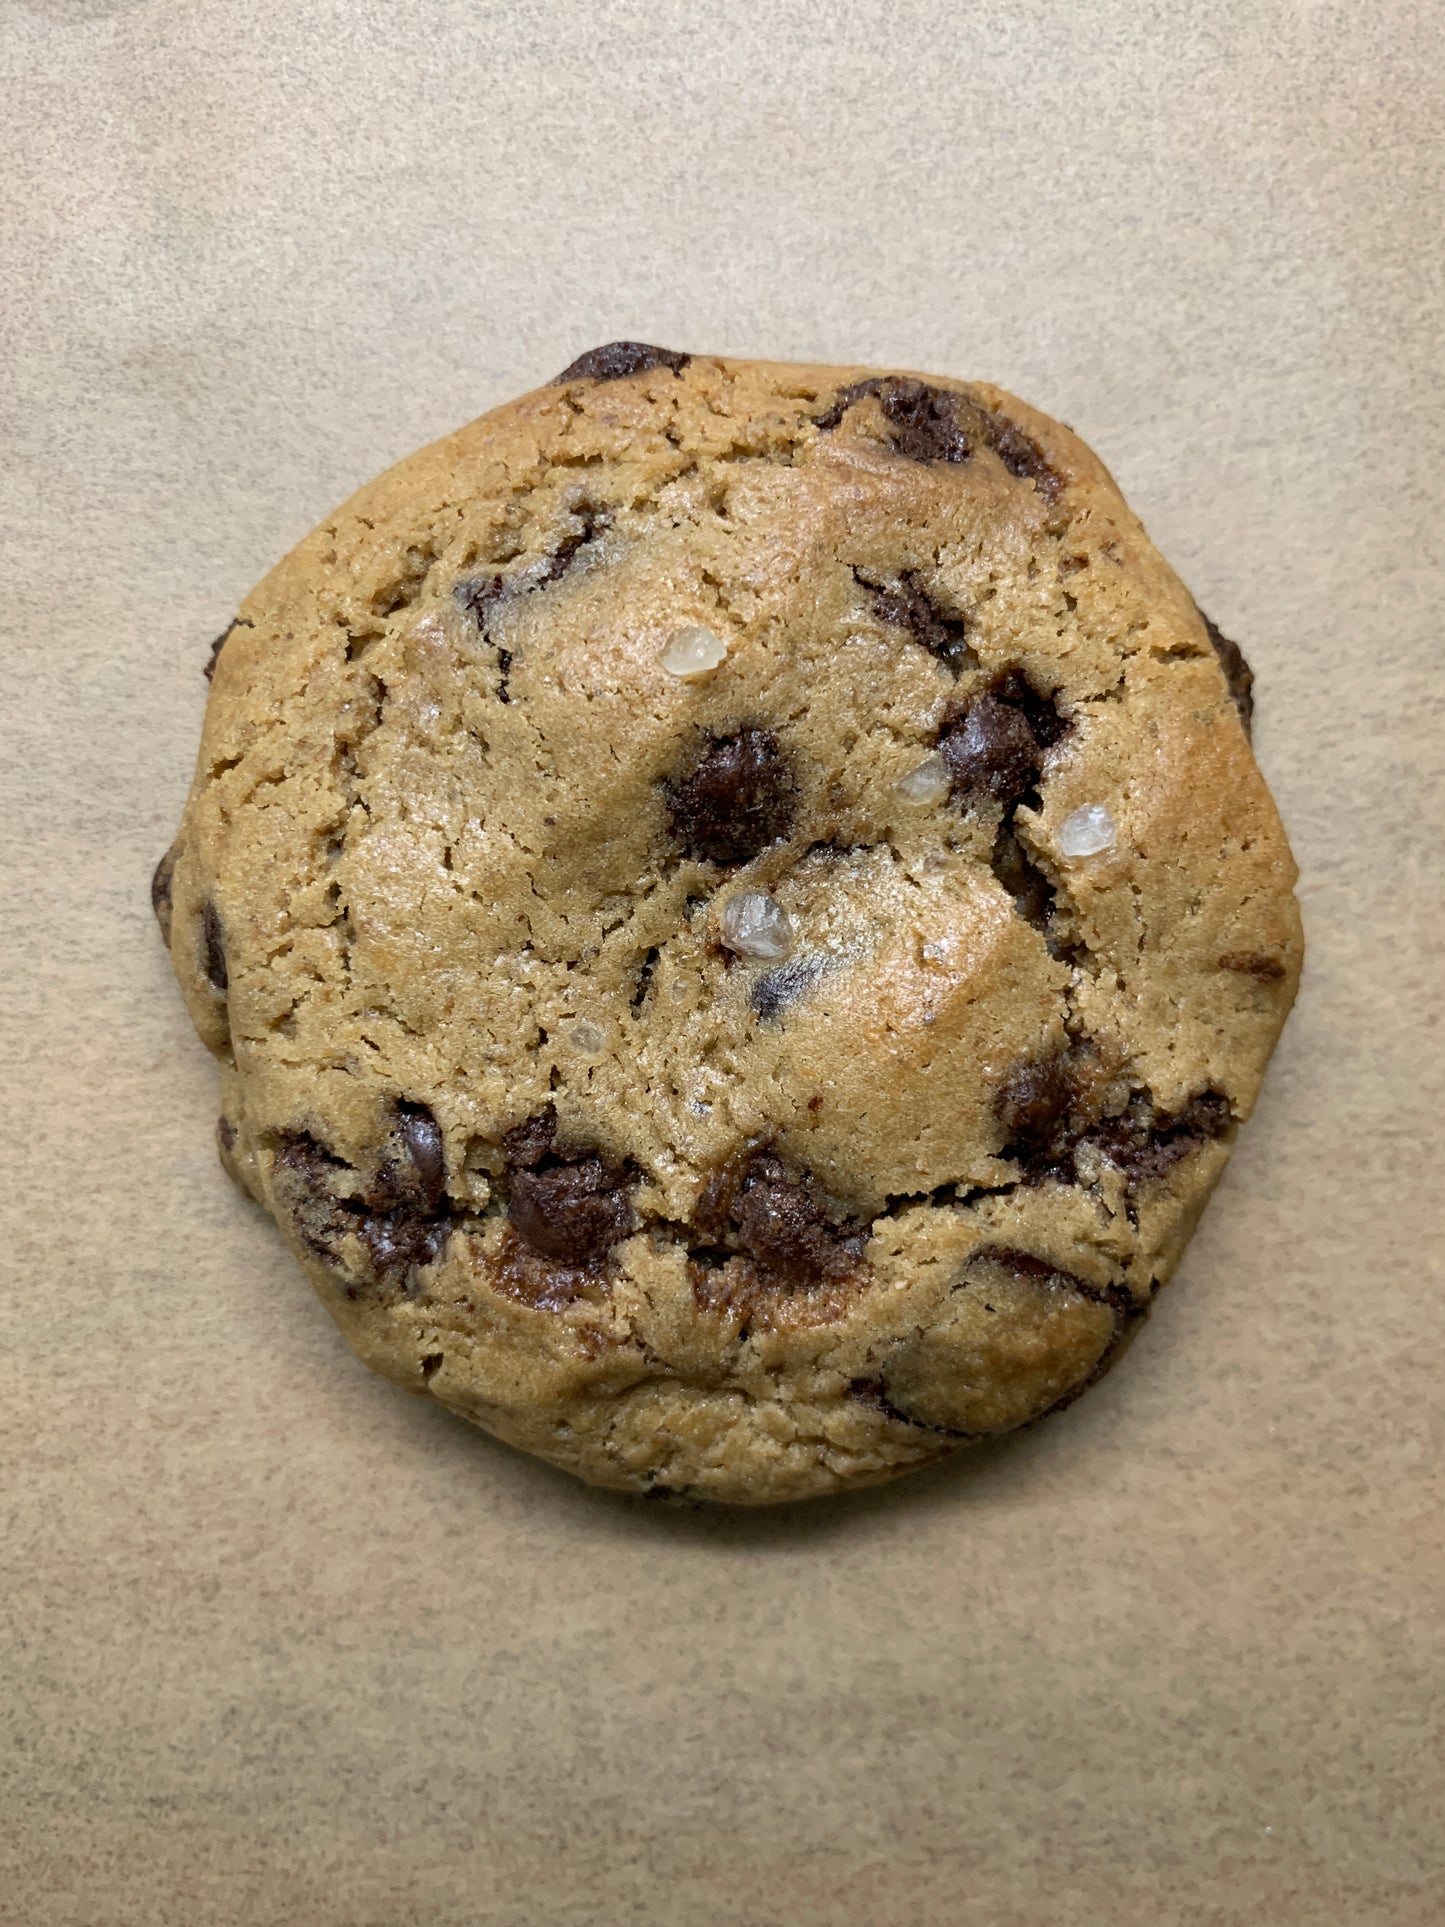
x=737, y=916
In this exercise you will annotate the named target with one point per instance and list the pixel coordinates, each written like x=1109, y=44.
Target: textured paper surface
x=283, y=1645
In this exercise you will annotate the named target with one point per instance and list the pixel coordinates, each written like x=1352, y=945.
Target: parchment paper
x=282, y=1645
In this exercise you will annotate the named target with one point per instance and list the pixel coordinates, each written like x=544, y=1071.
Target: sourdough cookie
x=737, y=919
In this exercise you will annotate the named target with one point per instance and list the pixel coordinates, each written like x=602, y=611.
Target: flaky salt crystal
x=1087, y=831
x=693, y=652
x=752, y=925
x=929, y=783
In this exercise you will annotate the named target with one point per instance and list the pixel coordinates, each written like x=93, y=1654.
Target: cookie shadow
x=1005, y=1472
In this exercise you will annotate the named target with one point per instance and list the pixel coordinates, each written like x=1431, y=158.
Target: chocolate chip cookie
x=737, y=919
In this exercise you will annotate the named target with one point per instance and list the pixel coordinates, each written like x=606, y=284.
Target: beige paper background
x=282, y=1645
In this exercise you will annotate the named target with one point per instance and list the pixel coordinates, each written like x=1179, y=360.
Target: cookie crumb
x=1087, y=831
x=693, y=653
x=752, y=925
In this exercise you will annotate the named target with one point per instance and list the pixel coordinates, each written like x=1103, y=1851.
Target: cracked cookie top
x=737, y=918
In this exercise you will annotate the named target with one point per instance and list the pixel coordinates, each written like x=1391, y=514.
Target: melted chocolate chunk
x=238, y=622
x=525, y=1145
x=755, y=1205
x=476, y=596
x=781, y=1226
x=161, y=893
x=542, y=1284
x=592, y=520
x=305, y=1177
x=398, y=1241
x=1144, y=1143
x=1021, y=455
x=1024, y=1264
x=481, y=595
x=1264, y=970
x=1047, y=1106
x=737, y=798
x=568, y=1205
x=213, y=949
x=225, y=1134
x=617, y=359
x=421, y=1138
x=924, y=420
x=1237, y=672
x=1033, y=1107
x=776, y=989
x=874, y=1392
x=910, y=607
x=994, y=746
x=319, y=1193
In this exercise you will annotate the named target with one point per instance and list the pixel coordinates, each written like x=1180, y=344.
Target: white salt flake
x=1087, y=831
x=587, y=1038
x=929, y=783
x=693, y=652
x=752, y=925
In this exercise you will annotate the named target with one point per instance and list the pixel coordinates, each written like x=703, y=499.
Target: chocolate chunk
x=319, y=1194
x=781, y=1227
x=541, y=1283
x=992, y=752
x=398, y=1241
x=736, y=799
x=525, y=1145
x=422, y=1139
x=305, y=1177
x=617, y=359
x=1033, y=1107
x=994, y=746
x=1144, y=1143
x=572, y=1212
x=911, y=607
x=568, y=1205
x=237, y=622
x=1021, y=455
x=1041, y=712
x=1264, y=970
x=757, y=1206
x=924, y=420
x=213, y=949
x=1237, y=672
x=161, y=893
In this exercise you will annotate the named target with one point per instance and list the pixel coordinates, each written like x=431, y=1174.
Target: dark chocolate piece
x=617, y=359
x=735, y=800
